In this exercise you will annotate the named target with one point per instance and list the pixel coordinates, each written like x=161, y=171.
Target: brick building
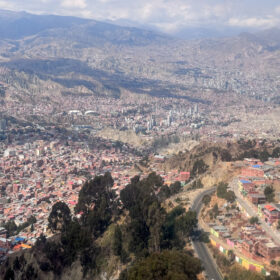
x=269, y=250
x=256, y=198
x=271, y=214
x=252, y=171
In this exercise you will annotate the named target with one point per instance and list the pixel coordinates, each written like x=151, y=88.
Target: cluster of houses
x=11, y=245
x=35, y=175
x=251, y=242
x=255, y=177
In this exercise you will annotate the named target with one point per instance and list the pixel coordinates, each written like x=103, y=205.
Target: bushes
x=222, y=192
x=175, y=188
x=254, y=220
x=238, y=273
x=199, y=167
x=165, y=265
x=269, y=193
x=206, y=199
x=196, y=185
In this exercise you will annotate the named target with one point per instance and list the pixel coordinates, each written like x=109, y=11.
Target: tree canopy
x=166, y=265
x=59, y=217
x=222, y=192
x=98, y=203
x=269, y=193
x=151, y=228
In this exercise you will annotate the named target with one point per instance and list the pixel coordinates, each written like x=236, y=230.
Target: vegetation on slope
x=132, y=231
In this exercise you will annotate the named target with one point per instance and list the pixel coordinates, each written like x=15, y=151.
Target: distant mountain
x=15, y=25
x=191, y=33
x=57, y=55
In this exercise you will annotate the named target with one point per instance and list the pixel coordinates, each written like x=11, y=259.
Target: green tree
x=222, y=192
x=164, y=193
x=140, y=200
x=41, y=241
x=222, y=189
x=117, y=241
x=31, y=220
x=93, y=190
x=89, y=258
x=170, y=238
x=206, y=199
x=264, y=155
x=231, y=255
x=30, y=273
x=196, y=185
x=165, y=265
x=60, y=217
x=225, y=155
x=175, y=188
x=254, y=220
x=276, y=152
x=215, y=210
x=9, y=275
x=199, y=167
x=99, y=203
x=155, y=220
x=11, y=228
x=269, y=193
x=187, y=223
x=16, y=264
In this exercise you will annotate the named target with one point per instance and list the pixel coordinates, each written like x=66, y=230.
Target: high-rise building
x=195, y=109
x=3, y=124
x=153, y=120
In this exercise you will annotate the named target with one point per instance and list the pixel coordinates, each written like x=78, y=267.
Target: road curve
x=209, y=264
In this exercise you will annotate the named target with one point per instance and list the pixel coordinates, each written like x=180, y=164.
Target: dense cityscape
x=139, y=140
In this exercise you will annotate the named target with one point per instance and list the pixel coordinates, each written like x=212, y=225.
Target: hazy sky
x=167, y=15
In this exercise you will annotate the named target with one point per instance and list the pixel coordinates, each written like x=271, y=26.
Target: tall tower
x=195, y=110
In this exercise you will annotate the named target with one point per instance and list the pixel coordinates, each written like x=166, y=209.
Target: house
x=252, y=171
x=271, y=214
x=184, y=176
x=256, y=198
x=269, y=250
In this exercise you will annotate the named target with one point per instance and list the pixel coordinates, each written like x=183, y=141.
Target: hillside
x=212, y=162
x=114, y=237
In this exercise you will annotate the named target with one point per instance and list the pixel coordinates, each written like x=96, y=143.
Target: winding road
x=208, y=262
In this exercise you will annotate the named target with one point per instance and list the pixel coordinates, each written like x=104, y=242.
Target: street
x=208, y=262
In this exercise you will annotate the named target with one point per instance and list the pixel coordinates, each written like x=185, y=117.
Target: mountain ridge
x=103, y=55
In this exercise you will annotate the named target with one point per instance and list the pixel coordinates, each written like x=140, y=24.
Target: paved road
x=275, y=235
x=200, y=248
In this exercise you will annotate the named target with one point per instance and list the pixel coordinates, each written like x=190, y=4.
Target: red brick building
x=271, y=214
x=252, y=172
x=269, y=250
x=184, y=176
x=256, y=198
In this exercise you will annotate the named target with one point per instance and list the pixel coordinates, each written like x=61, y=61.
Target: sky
x=166, y=15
